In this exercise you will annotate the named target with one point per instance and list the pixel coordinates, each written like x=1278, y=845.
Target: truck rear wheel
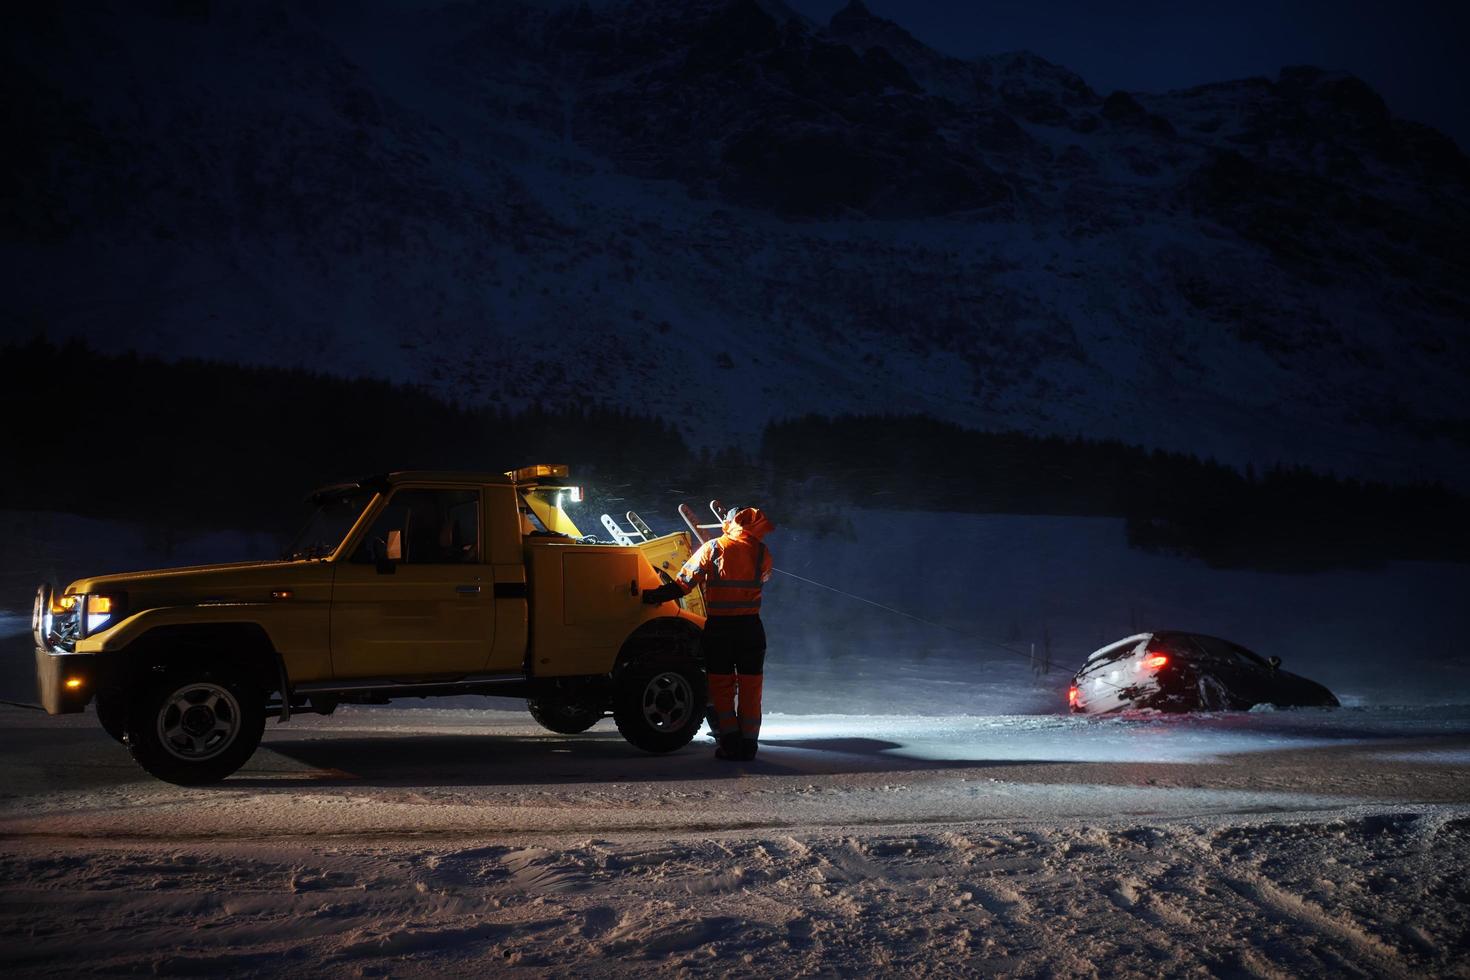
x=195, y=726
x=660, y=704
x=563, y=716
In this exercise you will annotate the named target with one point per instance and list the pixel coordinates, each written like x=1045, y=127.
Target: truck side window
x=425, y=527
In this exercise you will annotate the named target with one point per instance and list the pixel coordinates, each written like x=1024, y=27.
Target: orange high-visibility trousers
x=737, y=703
x=734, y=654
x=722, y=696
x=748, y=688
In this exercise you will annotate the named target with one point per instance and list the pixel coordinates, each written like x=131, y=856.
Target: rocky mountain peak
x=1262, y=269
x=857, y=19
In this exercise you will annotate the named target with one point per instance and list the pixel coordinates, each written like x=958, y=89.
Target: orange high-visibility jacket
x=733, y=567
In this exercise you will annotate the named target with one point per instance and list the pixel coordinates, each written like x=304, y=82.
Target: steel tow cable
x=907, y=615
x=929, y=622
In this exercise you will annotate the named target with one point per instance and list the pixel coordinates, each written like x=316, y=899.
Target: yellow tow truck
x=411, y=584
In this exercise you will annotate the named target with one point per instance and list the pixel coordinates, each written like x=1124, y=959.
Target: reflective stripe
x=729, y=596
x=713, y=574
x=750, y=687
x=694, y=569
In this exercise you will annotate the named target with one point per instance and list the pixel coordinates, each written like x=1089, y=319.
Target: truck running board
x=389, y=684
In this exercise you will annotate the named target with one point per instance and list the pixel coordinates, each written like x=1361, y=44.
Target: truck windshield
x=328, y=525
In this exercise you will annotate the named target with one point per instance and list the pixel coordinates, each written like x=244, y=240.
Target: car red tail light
x=1072, y=696
x=1156, y=660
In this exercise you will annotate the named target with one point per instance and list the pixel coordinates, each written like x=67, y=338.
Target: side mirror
x=1273, y=662
x=391, y=554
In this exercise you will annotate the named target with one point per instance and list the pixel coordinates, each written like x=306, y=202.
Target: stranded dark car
x=1171, y=671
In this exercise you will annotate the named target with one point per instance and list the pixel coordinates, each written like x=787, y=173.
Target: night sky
x=1412, y=53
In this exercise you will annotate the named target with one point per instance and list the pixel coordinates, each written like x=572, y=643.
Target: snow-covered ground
x=414, y=843
x=920, y=805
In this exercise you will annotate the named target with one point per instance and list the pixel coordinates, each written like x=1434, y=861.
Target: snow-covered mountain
x=721, y=212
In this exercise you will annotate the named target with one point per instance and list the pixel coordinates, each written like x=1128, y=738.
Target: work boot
x=747, y=749
x=729, y=748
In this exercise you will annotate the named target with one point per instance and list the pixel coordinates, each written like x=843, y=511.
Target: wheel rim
x=668, y=701
x=198, y=721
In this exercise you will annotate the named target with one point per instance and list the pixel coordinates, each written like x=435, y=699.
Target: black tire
x=1213, y=695
x=195, y=726
x=112, y=714
x=660, y=704
x=562, y=716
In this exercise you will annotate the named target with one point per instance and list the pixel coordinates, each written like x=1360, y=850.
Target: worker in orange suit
x=733, y=568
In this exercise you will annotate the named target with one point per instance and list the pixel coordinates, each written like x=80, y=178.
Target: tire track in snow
x=1275, y=903
x=1286, y=906
x=1161, y=899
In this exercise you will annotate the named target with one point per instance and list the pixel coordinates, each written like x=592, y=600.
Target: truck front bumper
x=65, y=682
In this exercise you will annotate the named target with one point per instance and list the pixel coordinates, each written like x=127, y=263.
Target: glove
x=664, y=593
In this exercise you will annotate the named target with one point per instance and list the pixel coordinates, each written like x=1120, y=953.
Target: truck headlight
x=99, y=611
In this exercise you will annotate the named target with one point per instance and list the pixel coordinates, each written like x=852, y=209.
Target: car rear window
x=1113, y=653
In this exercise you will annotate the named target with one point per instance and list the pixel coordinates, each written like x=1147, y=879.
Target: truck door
x=415, y=598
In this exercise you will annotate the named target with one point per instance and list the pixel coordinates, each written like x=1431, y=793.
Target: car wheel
x=660, y=705
x=563, y=716
x=195, y=726
x=112, y=714
x=1213, y=696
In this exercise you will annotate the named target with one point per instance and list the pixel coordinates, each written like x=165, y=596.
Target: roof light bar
x=539, y=471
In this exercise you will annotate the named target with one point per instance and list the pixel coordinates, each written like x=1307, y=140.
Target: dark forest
x=196, y=445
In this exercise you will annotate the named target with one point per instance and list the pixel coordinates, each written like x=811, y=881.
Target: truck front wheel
x=660, y=705
x=195, y=726
x=112, y=713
